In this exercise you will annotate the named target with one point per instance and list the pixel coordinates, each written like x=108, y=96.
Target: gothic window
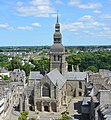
x=46, y=90
x=55, y=92
x=54, y=58
x=80, y=84
x=59, y=58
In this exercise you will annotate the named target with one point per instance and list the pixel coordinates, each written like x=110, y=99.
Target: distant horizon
x=64, y=46
x=31, y=22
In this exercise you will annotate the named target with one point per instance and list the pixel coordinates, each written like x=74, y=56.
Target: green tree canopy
x=73, y=60
x=23, y=116
x=65, y=115
x=15, y=64
x=3, y=60
x=5, y=77
x=92, y=68
x=42, y=64
x=27, y=69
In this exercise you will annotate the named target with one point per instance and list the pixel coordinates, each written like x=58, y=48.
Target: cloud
x=68, y=27
x=86, y=18
x=55, y=15
x=86, y=22
x=40, y=2
x=104, y=34
x=24, y=28
x=19, y=3
x=36, y=8
x=73, y=26
x=9, y=27
x=58, y=2
x=36, y=24
x=5, y=25
x=89, y=26
x=97, y=11
x=74, y=2
x=90, y=6
x=108, y=16
x=106, y=29
x=77, y=3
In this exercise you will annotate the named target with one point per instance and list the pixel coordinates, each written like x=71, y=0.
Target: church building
x=49, y=92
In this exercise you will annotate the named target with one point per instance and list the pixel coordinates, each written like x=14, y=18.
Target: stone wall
x=73, y=88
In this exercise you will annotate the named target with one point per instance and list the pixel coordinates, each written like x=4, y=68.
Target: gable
x=56, y=78
x=45, y=79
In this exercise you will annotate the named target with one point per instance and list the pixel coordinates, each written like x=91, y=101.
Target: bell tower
x=57, y=51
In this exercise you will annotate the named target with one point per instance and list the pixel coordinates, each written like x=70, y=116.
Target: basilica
x=49, y=92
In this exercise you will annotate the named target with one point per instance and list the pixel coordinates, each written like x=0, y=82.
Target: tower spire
x=57, y=17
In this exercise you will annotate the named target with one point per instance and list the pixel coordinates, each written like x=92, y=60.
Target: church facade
x=50, y=92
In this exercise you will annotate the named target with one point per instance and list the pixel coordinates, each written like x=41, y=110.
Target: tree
x=27, y=69
x=73, y=60
x=65, y=115
x=23, y=116
x=41, y=64
x=92, y=68
x=5, y=77
x=3, y=60
x=15, y=64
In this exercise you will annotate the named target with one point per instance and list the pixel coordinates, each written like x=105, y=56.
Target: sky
x=31, y=22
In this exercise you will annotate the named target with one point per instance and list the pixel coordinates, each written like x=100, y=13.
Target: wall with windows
x=75, y=88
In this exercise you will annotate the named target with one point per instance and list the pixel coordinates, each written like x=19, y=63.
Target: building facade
x=50, y=92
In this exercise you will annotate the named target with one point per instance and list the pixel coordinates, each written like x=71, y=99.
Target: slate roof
x=57, y=48
x=35, y=75
x=106, y=111
x=3, y=82
x=76, y=75
x=3, y=70
x=18, y=83
x=56, y=77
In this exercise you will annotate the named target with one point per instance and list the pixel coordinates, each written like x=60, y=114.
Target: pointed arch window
x=80, y=84
x=54, y=58
x=59, y=57
x=46, y=90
